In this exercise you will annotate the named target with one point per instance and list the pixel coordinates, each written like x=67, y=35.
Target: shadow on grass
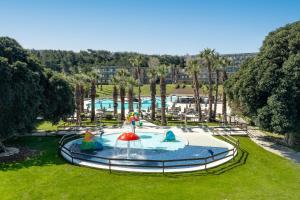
x=238, y=161
x=47, y=148
x=46, y=152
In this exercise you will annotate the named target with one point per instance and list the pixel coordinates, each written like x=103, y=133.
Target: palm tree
x=93, y=96
x=153, y=63
x=78, y=103
x=217, y=69
x=122, y=76
x=208, y=57
x=136, y=62
x=225, y=62
x=131, y=83
x=114, y=82
x=193, y=69
x=162, y=72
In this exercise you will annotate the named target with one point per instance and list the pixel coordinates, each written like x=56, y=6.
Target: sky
x=176, y=27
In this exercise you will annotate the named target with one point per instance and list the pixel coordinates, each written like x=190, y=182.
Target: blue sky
x=147, y=26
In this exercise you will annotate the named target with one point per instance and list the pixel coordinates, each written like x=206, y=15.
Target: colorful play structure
x=170, y=136
x=89, y=143
x=133, y=119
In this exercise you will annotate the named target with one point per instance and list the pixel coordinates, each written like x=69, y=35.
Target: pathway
x=262, y=140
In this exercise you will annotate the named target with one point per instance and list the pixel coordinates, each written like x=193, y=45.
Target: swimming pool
x=108, y=104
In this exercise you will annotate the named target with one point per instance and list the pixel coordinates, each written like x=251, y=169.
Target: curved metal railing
x=144, y=163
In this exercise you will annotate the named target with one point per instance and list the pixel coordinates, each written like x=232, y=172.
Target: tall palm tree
x=153, y=63
x=225, y=62
x=193, y=69
x=93, y=96
x=217, y=69
x=114, y=82
x=122, y=76
x=136, y=62
x=208, y=57
x=131, y=83
x=163, y=71
x=78, y=103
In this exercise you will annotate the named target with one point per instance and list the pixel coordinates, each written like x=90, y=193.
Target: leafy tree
x=28, y=91
x=267, y=87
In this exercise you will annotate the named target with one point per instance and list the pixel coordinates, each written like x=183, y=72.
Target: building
x=176, y=75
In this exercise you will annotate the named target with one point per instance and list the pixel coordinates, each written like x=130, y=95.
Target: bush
x=108, y=116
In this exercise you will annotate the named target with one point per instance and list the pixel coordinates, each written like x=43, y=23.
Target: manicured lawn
x=145, y=90
x=255, y=174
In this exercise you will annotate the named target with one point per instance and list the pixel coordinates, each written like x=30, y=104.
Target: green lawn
x=145, y=90
x=255, y=174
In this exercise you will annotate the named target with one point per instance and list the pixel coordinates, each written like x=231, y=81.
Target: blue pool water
x=151, y=141
x=146, y=103
x=153, y=148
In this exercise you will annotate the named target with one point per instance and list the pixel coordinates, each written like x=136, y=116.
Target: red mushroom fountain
x=128, y=136
x=128, y=145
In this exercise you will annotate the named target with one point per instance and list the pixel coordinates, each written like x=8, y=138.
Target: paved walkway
x=262, y=140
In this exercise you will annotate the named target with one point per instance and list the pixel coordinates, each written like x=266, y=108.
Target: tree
x=59, y=99
x=26, y=90
x=193, y=69
x=122, y=76
x=78, y=103
x=131, y=83
x=162, y=72
x=217, y=69
x=93, y=96
x=152, y=75
x=267, y=88
x=208, y=58
x=114, y=82
x=224, y=62
x=136, y=62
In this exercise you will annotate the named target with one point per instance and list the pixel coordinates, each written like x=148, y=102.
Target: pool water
x=154, y=148
x=152, y=141
x=108, y=104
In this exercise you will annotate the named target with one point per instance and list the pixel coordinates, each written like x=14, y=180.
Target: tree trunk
x=93, y=96
x=216, y=95
x=78, y=103
x=210, y=93
x=81, y=88
x=139, y=92
x=197, y=96
x=115, y=98
x=224, y=101
x=290, y=138
x=122, y=96
x=163, y=100
x=153, y=100
x=130, y=98
x=2, y=147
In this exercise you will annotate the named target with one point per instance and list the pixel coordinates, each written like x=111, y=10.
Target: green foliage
x=267, y=87
x=27, y=91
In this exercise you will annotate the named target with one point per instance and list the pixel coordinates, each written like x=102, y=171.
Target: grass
x=145, y=90
x=254, y=174
x=46, y=126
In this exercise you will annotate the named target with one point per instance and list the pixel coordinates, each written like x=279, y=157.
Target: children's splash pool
x=151, y=153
